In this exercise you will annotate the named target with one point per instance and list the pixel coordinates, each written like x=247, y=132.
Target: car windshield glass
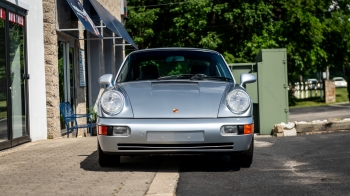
x=173, y=65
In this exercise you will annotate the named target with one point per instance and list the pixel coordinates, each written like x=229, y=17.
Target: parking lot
x=70, y=167
x=301, y=165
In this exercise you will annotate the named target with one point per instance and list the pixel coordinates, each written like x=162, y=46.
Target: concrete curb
x=165, y=180
x=322, y=132
x=314, y=127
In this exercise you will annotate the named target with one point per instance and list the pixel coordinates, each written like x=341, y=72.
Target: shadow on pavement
x=150, y=163
x=127, y=163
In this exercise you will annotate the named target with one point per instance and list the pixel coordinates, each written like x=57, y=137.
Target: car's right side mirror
x=106, y=79
x=247, y=78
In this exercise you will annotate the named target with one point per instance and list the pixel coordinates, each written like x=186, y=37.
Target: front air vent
x=158, y=147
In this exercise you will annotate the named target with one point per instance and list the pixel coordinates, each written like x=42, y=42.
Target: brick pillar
x=51, y=70
x=329, y=91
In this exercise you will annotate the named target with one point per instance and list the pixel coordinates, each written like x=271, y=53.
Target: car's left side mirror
x=247, y=78
x=106, y=79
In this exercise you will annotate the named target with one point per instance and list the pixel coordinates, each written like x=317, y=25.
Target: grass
x=341, y=97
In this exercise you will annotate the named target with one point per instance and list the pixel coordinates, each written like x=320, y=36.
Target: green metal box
x=270, y=92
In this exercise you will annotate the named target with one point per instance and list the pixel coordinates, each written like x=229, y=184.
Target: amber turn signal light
x=249, y=129
x=102, y=130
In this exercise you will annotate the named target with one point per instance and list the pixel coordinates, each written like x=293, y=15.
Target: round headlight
x=238, y=101
x=112, y=102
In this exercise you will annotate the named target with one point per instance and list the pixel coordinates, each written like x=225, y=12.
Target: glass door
x=4, y=135
x=66, y=74
x=13, y=79
x=17, y=69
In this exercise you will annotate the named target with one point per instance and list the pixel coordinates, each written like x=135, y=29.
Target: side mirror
x=106, y=79
x=247, y=78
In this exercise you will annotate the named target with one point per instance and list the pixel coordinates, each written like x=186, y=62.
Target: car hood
x=175, y=99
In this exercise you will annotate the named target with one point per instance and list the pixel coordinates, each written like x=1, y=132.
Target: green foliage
x=91, y=110
x=145, y=63
x=176, y=71
x=142, y=24
x=316, y=33
x=229, y=58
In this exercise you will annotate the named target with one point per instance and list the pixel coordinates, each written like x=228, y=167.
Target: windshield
x=164, y=65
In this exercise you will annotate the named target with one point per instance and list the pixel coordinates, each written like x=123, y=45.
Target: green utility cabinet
x=270, y=92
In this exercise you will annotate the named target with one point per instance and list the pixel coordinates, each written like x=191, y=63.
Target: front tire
x=106, y=160
x=245, y=159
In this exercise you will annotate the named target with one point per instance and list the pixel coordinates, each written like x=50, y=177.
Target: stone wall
x=112, y=6
x=66, y=19
x=119, y=52
x=80, y=91
x=329, y=91
x=51, y=70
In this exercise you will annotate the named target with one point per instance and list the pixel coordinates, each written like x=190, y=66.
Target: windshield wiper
x=199, y=77
x=221, y=78
x=195, y=77
x=205, y=77
x=181, y=76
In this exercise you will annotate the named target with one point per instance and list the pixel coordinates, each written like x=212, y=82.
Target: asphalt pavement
x=300, y=165
x=340, y=111
x=70, y=167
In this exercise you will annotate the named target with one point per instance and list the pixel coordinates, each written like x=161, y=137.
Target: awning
x=84, y=18
x=112, y=23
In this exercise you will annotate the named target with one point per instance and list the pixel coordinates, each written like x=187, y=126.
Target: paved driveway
x=69, y=167
x=319, y=112
x=301, y=165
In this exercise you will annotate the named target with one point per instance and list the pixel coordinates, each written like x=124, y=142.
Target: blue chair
x=70, y=119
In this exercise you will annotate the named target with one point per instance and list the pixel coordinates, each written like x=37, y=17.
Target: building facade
x=82, y=42
x=22, y=85
x=54, y=51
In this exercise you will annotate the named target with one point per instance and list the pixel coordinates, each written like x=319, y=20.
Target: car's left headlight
x=112, y=102
x=238, y=101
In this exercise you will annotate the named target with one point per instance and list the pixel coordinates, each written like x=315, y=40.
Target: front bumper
x=153, y=136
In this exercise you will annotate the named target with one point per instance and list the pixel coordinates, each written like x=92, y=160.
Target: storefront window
x=66, y=74
x=16, y=40
x=3, y=100
x=13, y=76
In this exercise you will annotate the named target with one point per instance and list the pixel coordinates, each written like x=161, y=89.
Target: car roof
x=174, y=49
x=338, y=78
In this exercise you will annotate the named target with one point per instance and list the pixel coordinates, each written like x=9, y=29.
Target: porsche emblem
x=175, y=110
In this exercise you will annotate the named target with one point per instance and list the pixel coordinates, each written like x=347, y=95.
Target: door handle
x=26, y=76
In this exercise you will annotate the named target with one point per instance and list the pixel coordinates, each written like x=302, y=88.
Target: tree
x=315, y=32
x=141, y=24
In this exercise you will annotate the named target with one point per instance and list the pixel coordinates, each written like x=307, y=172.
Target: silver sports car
x=175, y=100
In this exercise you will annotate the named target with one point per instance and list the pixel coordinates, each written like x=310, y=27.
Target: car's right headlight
x=238, y=101
x=112, y=102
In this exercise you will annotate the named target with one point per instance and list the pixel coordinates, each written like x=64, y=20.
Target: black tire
x=245, y=159
x=107, y=160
